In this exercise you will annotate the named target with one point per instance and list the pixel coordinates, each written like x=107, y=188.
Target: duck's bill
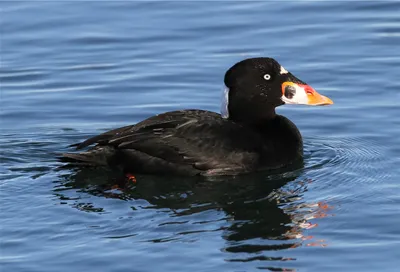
x=294, y=93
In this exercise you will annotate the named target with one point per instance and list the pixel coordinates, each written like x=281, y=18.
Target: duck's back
x=180, y=142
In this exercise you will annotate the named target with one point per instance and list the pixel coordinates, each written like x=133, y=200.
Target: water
x=71, y=70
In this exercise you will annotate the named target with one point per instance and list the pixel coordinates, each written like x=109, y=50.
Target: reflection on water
x=259, y=218
x=260, y=213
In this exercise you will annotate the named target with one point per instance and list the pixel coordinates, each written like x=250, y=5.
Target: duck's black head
x=254, y=87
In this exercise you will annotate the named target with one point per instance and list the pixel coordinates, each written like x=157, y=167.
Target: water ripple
x=99, y=65
x=341, y=164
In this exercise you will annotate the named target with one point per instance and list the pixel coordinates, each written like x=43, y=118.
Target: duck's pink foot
x=130, y=178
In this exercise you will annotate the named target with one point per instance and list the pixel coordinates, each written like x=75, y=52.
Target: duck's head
x=255, y=87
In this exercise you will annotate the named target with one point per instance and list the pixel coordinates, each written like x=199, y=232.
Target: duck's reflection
x=260, y=213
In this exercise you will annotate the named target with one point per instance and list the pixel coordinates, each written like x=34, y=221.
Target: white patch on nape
x=224, y=103
x=283, y=70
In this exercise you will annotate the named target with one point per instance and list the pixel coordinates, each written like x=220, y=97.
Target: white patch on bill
x=300, y=97
x=224, y=103
x=283, y=70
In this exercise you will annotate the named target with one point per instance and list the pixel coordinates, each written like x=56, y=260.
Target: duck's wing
x=191, y=140
x=162, y=121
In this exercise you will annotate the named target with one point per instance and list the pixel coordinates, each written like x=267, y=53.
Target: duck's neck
x=286, y=136
x=281, y=135
x=254, y=119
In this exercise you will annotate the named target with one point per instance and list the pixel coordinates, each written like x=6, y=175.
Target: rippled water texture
x=70, y=70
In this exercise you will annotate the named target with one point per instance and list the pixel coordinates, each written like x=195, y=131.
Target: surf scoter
x=248, y=136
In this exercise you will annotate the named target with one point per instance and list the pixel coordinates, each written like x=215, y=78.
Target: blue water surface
x=70, y=70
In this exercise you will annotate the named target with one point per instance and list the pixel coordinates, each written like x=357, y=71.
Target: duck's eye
x=267, y=76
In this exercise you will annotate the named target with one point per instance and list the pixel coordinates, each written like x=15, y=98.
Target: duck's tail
x=98, y=156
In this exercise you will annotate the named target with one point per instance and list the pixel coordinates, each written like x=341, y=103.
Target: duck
x=247, y=136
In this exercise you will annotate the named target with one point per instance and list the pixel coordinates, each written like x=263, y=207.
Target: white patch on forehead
x=224, y=103
x=283, y=70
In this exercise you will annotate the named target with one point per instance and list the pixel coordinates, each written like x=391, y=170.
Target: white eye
x=267, y=76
